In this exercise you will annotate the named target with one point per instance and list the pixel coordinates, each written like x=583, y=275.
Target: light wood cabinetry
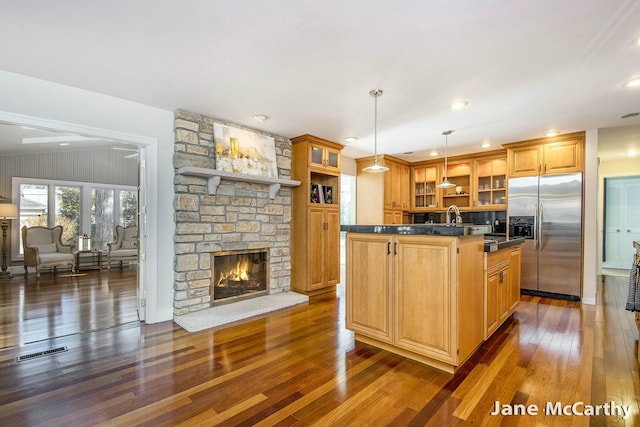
x=490, y=183
x=459, y=173
x=381, y=198
x=418, y=296
x=502, y=283
x=325, y=157
x=315, y=225
x=548, y=156
x=425, y=196
x=515, y=260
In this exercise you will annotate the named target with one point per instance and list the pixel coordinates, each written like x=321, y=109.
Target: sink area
x=469, y=229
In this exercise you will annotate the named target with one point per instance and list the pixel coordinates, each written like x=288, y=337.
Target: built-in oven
x=522, y=226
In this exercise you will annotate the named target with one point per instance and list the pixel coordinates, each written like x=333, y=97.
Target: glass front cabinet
x=425, y=194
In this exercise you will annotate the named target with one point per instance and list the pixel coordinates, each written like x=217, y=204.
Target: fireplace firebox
x=239, y=275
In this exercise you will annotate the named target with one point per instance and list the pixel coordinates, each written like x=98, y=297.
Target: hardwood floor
x=34, y=309
x=299, y=367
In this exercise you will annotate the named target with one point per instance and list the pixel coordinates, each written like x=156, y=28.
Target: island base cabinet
x=502, y=282
x=368, y=289
x=423, y=296
x=403, y=295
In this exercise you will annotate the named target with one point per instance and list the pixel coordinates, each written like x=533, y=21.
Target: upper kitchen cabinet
x=459, y=173
x=322, y=154
x=382, y=197
x=490, y=190
x=424, y=193
x=548, y=156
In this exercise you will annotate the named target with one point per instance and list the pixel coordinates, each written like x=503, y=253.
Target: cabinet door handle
x=388, y=248
x=501, y=276
x=395, y=248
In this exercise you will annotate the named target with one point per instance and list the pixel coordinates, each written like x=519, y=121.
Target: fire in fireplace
x=239, y=274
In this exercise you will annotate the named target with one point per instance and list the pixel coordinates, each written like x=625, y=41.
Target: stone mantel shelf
x=214, y=176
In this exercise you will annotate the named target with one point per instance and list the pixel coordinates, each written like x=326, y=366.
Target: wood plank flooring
x=300, y=367
x=34, y=309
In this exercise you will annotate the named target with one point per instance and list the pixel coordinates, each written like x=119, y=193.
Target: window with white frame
x=79, y=207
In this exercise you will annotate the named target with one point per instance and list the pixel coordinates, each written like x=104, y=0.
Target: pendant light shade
x=375, y=167
x=445, y=181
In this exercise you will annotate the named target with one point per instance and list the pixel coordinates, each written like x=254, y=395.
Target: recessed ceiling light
x=261, y=117
x=351, y=139
x=629, y=115
x=434, y=153
x=459, y=105
x=485, y=144
x=552, y=133
x=633, y=83
x=638, y=41
x=64, y=144
x=631, y=153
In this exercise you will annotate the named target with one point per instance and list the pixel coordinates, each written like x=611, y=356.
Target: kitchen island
x=418, y=290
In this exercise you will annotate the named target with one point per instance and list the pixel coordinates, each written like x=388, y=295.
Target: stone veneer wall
x=239, y=216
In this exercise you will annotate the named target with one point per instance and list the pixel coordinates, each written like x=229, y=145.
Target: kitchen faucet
x=458, y=219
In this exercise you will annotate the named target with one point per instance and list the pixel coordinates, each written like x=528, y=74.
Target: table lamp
x=7, y=211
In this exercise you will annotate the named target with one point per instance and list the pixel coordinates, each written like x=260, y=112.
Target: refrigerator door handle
x=540, y=225
x=535, y=226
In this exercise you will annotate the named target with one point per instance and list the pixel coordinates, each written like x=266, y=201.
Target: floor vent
x=37, y=354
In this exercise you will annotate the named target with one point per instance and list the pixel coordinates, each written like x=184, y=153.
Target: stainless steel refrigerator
x=547, y=211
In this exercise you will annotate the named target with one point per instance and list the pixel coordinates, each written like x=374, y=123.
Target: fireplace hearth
x=239, y=275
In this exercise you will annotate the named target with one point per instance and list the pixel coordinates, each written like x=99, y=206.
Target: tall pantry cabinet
x=315, y=222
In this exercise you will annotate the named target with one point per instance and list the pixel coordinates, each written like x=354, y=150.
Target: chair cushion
x=128, y=244
x=124, y=252
x=46, y=248
x=50, y=257
x=39, y=236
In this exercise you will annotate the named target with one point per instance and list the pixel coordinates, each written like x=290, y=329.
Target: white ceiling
x=524, y=66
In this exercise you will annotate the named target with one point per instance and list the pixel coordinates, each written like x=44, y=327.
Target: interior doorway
x=621, y=227
x=92, y=289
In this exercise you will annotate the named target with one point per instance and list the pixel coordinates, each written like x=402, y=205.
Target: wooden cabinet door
x=515, y=258
x=405, y=182
x=316, y=155
x=322, y=157
x=525, y=161
x=424, y=303
x=316, y=248
x=504, y=294
x=369, y=286
x=491, y=306
x=332, y=247
x=563, y=157
x=389, y=182
x=332, y=159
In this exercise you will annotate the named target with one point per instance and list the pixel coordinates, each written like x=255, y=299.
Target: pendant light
x=375, y=167
x=445, y=181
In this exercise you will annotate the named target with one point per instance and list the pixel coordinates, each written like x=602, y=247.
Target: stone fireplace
x=241, y=216
x=239, y=275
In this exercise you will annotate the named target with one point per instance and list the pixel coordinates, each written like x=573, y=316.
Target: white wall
x=590, y=226
x=105, y=115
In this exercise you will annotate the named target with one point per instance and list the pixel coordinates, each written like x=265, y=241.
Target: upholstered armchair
x=125, y=248
x=43, y=248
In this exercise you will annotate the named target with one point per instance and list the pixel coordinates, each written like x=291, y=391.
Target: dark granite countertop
x=417, y=229
x=494, y=245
